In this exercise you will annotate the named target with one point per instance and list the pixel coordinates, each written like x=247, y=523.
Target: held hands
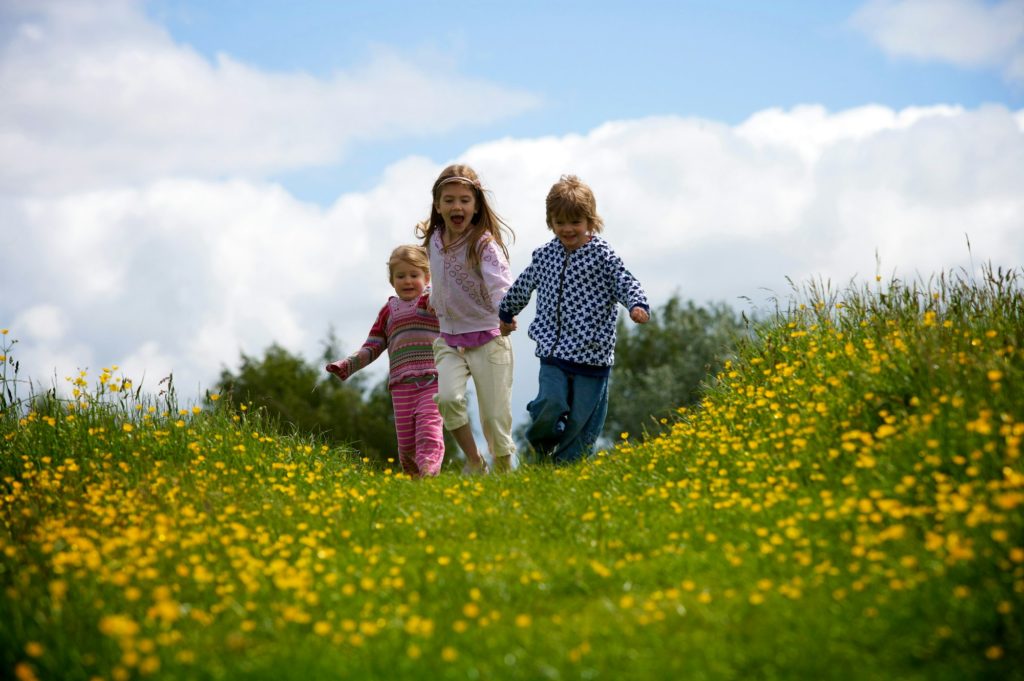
x=339, y=369
x=639, y=315
x=507, y=327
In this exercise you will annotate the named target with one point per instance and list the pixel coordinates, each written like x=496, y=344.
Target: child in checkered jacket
x=580, y=282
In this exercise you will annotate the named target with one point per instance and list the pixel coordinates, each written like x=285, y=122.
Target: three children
x=437, y=341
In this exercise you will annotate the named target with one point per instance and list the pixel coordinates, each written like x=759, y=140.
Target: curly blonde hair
x=410, y=254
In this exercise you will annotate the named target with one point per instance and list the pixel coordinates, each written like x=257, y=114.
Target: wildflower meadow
x=843, y=503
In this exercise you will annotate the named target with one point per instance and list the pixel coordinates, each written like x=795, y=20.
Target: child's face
x=573, y=231
x=457, y=206
x=409, y=281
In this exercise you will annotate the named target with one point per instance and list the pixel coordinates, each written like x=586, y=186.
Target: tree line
x=658, y=367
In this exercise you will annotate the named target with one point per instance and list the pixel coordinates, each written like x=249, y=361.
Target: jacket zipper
x=558, y=308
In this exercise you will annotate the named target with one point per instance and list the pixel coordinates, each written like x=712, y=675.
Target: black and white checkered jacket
x=577, y=297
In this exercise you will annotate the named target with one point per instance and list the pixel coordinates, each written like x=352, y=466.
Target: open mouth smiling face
x=457, y=206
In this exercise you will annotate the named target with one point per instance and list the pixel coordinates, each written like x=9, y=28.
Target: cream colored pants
x=490, y=366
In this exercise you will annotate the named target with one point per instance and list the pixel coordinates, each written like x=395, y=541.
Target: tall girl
x=465, y=240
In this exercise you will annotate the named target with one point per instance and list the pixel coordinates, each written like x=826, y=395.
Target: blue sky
x=586, y=62
x=186, y=181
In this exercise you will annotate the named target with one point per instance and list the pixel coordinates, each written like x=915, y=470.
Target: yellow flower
x=885, y=430
x=127, y=427
x=24, y=671
x=118, y=626
x=58, y=588
x=149, y=665
x=34, y=649
x=449, y=654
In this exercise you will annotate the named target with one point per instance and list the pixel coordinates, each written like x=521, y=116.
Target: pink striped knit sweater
x=406, y=329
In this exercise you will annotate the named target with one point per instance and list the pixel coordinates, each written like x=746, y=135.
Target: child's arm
x=629, y=292
x=375, y=344
x=516, y=298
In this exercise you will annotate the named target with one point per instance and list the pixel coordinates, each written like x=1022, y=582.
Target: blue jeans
x=567, y=415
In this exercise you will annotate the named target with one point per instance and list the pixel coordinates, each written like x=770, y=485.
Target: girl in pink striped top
x=465, y=241
x=406, y=327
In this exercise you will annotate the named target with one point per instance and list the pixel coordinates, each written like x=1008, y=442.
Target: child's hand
x=339, y=369
x=507, y=327
x=639, y=315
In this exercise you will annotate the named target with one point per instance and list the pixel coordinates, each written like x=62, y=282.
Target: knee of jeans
x=546, y=413
x=543, y=435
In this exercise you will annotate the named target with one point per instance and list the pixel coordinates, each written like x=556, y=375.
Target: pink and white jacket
x=464, y=300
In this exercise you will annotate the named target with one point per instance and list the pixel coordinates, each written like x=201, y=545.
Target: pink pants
x=419, y=427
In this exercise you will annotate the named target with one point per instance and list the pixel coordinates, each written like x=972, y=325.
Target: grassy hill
x=845, y=503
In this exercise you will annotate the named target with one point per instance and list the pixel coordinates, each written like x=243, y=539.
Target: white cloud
x=183, y=274
x=124, y=243
x=95, y=94
x=970, y=33
x=147, y=365
x=43, y=322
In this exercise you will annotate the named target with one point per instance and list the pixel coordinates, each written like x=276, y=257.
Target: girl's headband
x=458, y=178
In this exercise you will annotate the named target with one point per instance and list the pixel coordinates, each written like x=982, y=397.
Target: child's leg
x=452, y=378
x=403, y=399
x=587, y=412
x=429, y=434
x=548, y=410
x=491, y=366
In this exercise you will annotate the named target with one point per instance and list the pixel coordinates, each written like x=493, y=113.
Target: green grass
x=845, y=503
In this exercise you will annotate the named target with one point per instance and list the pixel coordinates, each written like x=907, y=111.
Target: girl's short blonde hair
x=410, y=254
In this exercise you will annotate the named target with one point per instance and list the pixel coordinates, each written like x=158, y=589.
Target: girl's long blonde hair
x=484, y=222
